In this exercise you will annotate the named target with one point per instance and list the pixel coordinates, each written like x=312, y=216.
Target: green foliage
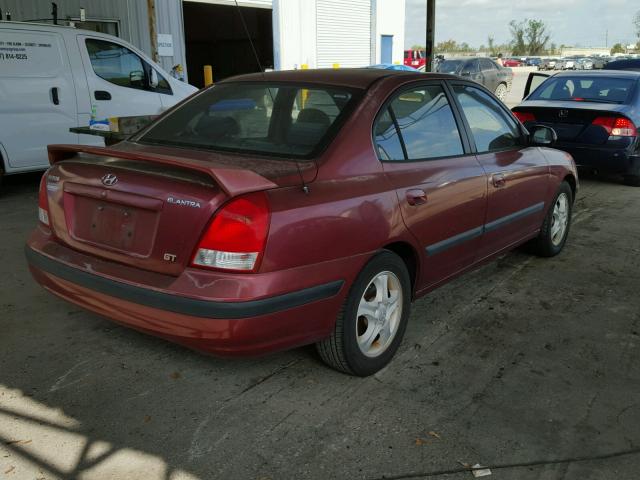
x=528, y=37
x=617, y=48
x=417, y=47
x=451, y=46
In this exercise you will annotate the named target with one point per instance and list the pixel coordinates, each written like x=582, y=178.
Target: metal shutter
x=343, y=33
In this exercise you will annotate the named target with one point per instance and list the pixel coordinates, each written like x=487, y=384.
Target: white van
x=51, y=77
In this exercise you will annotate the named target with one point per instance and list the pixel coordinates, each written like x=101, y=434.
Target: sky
x=571, y=22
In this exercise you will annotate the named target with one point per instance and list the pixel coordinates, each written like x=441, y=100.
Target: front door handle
x=54, y=96
x=498, y=180
x=416, y=196
x=102, y=95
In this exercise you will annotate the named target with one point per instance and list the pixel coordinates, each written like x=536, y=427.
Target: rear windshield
x=581, y=88
x=271, y=119
x=450, y=66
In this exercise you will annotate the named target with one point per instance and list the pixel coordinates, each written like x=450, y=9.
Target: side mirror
x=543, y=136
x=153, y=78
x=136, y=77
x=465, y=73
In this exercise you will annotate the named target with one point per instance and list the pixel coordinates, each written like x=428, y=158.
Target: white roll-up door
x=343, y=33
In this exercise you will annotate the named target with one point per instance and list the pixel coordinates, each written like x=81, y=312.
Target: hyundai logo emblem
x=109, y=179
x=563, y=113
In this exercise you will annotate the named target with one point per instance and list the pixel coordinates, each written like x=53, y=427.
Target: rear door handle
x=102, y=95
x=54, y=96
x=498, y=180
x=416, y=196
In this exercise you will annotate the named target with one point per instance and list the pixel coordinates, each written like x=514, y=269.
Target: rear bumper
x=607, y=159
x=250, y=326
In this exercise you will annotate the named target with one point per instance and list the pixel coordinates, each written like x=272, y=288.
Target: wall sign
x=165, y=45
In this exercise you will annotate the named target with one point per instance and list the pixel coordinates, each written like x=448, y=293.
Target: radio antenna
x=305, y=188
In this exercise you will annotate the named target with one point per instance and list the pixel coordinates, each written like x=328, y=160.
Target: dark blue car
x=595, y=115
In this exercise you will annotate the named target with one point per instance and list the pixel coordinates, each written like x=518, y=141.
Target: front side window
x=426, y=125
x=491, y=126
x=281, y=120
x=116, y=64
x=487, y=65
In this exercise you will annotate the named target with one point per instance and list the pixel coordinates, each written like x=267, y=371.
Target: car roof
x=361, y=78
x=602, y=73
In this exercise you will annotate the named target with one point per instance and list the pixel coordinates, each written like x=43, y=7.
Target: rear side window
x=116, y=64
x=492, y=128
x=584, y=89
x=423, y=123
x=281, y=120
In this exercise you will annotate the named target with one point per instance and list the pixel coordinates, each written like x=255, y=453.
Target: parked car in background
x=595, y=114
x=58, y=77
x=548, y=64
x=393, y=66
x=512, y=62
x=600, y=62
x=244, y=225
x=627, y=64
x=482, y=70
x=533, y=61
x=415, y=58
x=569, y=63
x=584, y=64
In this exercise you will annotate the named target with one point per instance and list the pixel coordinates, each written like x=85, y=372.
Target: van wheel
x=372, y=321
x=557, y=222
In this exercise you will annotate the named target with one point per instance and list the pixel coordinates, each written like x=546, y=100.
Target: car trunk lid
x=144, y=209
x=572, y=121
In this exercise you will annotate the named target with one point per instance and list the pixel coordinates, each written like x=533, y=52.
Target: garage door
x=343, y=32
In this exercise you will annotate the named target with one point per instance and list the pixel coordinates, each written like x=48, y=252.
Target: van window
x=117, y=64
x=29, y=54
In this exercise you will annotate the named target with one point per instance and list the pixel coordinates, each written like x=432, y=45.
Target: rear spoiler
x=234, y=181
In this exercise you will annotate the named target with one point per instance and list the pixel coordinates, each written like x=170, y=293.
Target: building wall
x=319, y=33
x=568, y=51
x=390, y=15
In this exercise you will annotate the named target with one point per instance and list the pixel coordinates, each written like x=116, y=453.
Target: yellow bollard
x=208, y=75
x=336, y=65
x=304, y=92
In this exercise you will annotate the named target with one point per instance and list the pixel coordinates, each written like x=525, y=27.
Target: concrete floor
x=526, y=364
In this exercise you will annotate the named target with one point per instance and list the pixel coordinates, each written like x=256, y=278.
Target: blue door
x=386, y=48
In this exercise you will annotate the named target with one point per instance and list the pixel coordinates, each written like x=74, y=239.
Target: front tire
x=555, y=228
x=372, y=321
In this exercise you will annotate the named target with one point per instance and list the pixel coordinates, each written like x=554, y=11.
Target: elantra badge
x=109, y=179
x=183, y=203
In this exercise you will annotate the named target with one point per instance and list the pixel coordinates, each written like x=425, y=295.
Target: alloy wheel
x=379, y=314
x=559, y=219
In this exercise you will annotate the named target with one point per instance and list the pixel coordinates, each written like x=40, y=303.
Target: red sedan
x=512, y=62
x=287, y=208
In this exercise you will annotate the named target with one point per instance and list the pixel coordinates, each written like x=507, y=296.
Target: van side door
x=37, y=97
x=120, y=81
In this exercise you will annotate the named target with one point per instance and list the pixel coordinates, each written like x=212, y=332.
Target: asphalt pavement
x=527, y=365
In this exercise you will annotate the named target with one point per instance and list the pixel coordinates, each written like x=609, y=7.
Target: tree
x=528, y=37
x=417, y=47
x=636, y=22
x=536, y=35
x=447, y=46
x=617, y=48
x=493, y=50
x=518, y=46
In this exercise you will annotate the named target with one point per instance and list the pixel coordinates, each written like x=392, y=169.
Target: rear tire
x=501, y=92
x=632, y=180
x=555, y=228
x=372, y=320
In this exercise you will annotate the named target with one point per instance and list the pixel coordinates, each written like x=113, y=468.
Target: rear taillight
x=43, y=201
x=617, y=126
x=236, y=236
x=525, y=116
